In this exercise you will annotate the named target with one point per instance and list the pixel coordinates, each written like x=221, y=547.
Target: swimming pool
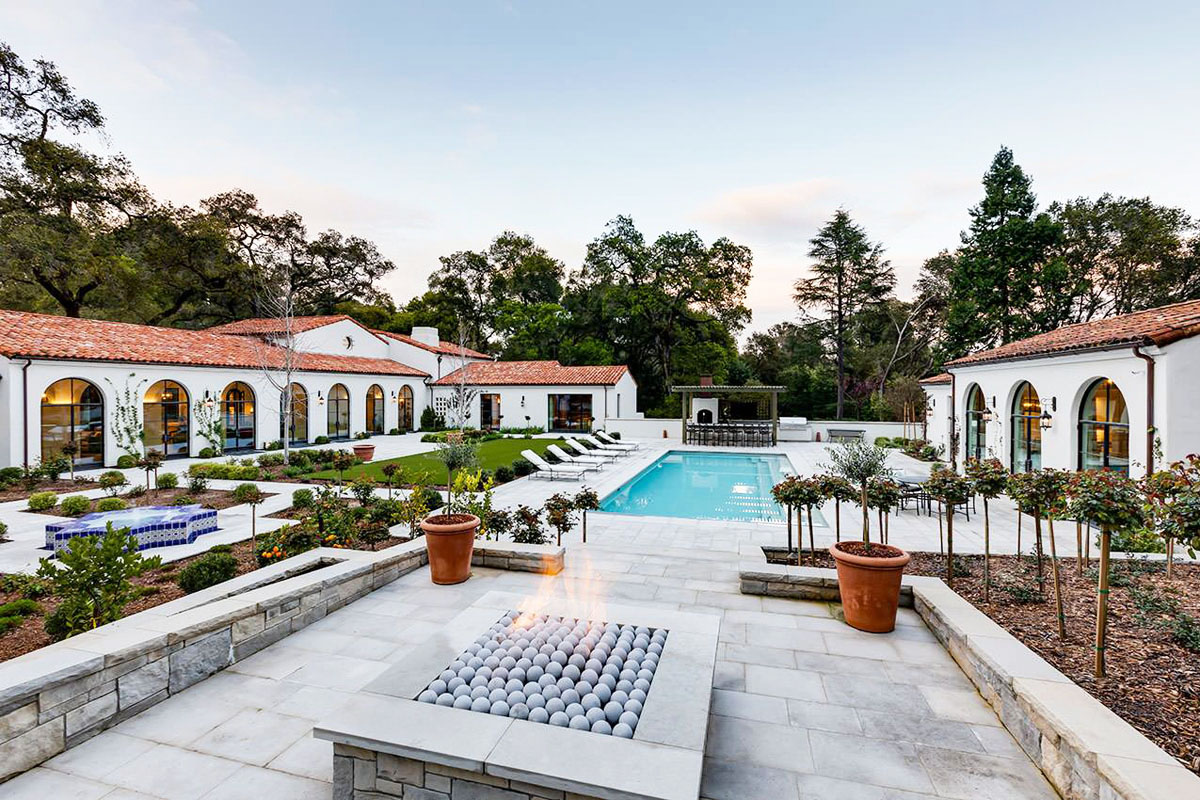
x=732, y=486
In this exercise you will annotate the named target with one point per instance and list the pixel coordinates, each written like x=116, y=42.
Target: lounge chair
x=583, y=462
x=551, y=471
x=607, y=455
x=614, y=448
x=604, y=437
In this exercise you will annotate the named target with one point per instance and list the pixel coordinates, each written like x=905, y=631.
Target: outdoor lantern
x=986, y=415
x=320, y=398
x=208, y=399
x=1046, y=419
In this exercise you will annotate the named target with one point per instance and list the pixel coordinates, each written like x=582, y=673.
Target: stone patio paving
x=803, y=706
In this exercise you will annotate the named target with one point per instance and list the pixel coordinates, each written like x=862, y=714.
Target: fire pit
x=570, y=673
x=545, y=697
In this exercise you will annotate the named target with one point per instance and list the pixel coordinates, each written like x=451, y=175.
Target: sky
x=431, y=127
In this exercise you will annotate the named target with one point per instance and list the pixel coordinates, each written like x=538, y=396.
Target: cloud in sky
x=782, y=211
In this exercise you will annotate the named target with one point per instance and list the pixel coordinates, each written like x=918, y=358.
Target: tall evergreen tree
x=1006, y=283
x=849, y=274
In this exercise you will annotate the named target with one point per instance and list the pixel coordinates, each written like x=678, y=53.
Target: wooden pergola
x=738, y=432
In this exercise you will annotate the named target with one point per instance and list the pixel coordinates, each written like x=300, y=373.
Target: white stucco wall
x=344, y=338
x=111, y=378
x=1062, y=382
x=525, y=406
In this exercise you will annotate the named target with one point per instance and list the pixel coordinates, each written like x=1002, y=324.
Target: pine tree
x=1007, y=282
x=849, y=273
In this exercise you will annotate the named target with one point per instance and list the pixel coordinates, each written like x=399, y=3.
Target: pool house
x=1117, y=393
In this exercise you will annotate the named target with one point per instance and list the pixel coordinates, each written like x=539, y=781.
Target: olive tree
x=950, y=489
x=989, y=479
x=859, y=463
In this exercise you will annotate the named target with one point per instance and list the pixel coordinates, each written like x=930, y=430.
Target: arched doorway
x=338, y=413
x=1104, y=428
x=374, y=409
x=298, y=424
x=73, y=413
x=404, y=405
x=165, y=416
x=237, y=411
x=1027, y=429
x=977, y=420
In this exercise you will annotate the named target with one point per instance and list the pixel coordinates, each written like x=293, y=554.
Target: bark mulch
x=1153, y=679
x=160, y=587
x=209, y=498
x=18, y=491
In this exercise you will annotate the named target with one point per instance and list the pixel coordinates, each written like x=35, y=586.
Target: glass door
x=489, y=411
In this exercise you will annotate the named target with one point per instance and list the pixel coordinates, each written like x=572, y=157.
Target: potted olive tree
x=450, y=534
x=868, y=574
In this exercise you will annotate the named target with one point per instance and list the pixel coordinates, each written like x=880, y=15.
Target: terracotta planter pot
x=450, y=539
x=364, y=451
x=870, y=586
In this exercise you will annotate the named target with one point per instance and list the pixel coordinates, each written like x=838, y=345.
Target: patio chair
x=604, y=437
x=607, y=455
x=614, y=448
x=585, y=463
x=549, y=470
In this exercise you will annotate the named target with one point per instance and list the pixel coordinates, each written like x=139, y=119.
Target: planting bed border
x=1084, y=749
x=61, y=695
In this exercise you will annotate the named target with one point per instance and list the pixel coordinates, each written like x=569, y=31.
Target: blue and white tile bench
x=152, y=526
x=65, y=693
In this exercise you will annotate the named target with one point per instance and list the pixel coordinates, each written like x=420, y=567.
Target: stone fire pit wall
x=1085, y=750
x=63, y=694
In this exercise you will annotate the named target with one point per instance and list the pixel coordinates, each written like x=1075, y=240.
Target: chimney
x=706, y=380
x=427, y=336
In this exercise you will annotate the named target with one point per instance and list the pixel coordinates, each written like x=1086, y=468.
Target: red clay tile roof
x=257, y=327
x=444, y=347
x=936, y=380
x=532, y=373
x=1155, y=326
x=23, y=334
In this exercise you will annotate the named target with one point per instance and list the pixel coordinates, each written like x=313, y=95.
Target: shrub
x=270, y=460
x=126, y=462
x=111, y=504
x=136, y=491
x=275, y=445
x=42, y=501
x=883, y=441
x=431, y=420
x=29, y=586
x=522, y=467
x=294, y=471
x=112, y=481
x=197, y=483
x=3, y=531
x=302, y=498
x=321, y=440
x=245, y=473
x=183, y=500
x=10, y=474
x=19, y=608
x=550, y=458
x=394, y=432
x=208, y=570
x=52, y=468
x=504, y=473
x=432, y=497
x=96, y=584
x=207, y=452
x=168, y=480
x=362, y=435
x=221, y=548
x=75, y=505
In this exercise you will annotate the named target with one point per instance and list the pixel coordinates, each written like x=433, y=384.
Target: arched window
x=237, y=412
x=374, y=409
x=977, y=420
x=298, y=423
x=338, y=419
x=165, y=418
x=1026, y=429
x=73, y=413
x=1104, y=428
x=405, y=406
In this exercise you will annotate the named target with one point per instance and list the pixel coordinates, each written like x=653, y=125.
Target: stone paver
x=803, y=706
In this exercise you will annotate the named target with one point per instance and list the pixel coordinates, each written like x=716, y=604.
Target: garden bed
x=209, y=498
x=158, y=586
x=1153, y=679
x=20, y=492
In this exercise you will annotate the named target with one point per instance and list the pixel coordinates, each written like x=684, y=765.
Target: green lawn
x=491, y=455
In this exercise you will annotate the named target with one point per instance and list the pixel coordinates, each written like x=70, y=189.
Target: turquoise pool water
x=732, y=486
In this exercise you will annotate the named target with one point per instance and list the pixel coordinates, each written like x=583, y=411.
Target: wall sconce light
x=1046, y=419
x=208, y=399
x=522, y=401
x=986, y=415
x=320, y=398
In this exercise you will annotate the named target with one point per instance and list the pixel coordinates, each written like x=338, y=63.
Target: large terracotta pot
x=869, y=584
x=364, y=451
x=450, y=539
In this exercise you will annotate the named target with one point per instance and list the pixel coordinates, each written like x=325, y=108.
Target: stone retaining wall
x=65, y=693
x=1085, y=750
x=360, y=774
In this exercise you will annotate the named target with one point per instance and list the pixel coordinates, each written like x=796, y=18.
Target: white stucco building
x=87, y=382
x=1118, y=393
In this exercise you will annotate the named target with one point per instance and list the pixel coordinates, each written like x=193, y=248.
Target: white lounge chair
x=604, y=437
x=552, y=471
x=607, y=455
x=623, y=448
x=583, y=462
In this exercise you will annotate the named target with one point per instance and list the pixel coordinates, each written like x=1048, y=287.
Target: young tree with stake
x=883, y=494
x=838, y=489
x=950, y=489
x=251, y=495
x=989, y=479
